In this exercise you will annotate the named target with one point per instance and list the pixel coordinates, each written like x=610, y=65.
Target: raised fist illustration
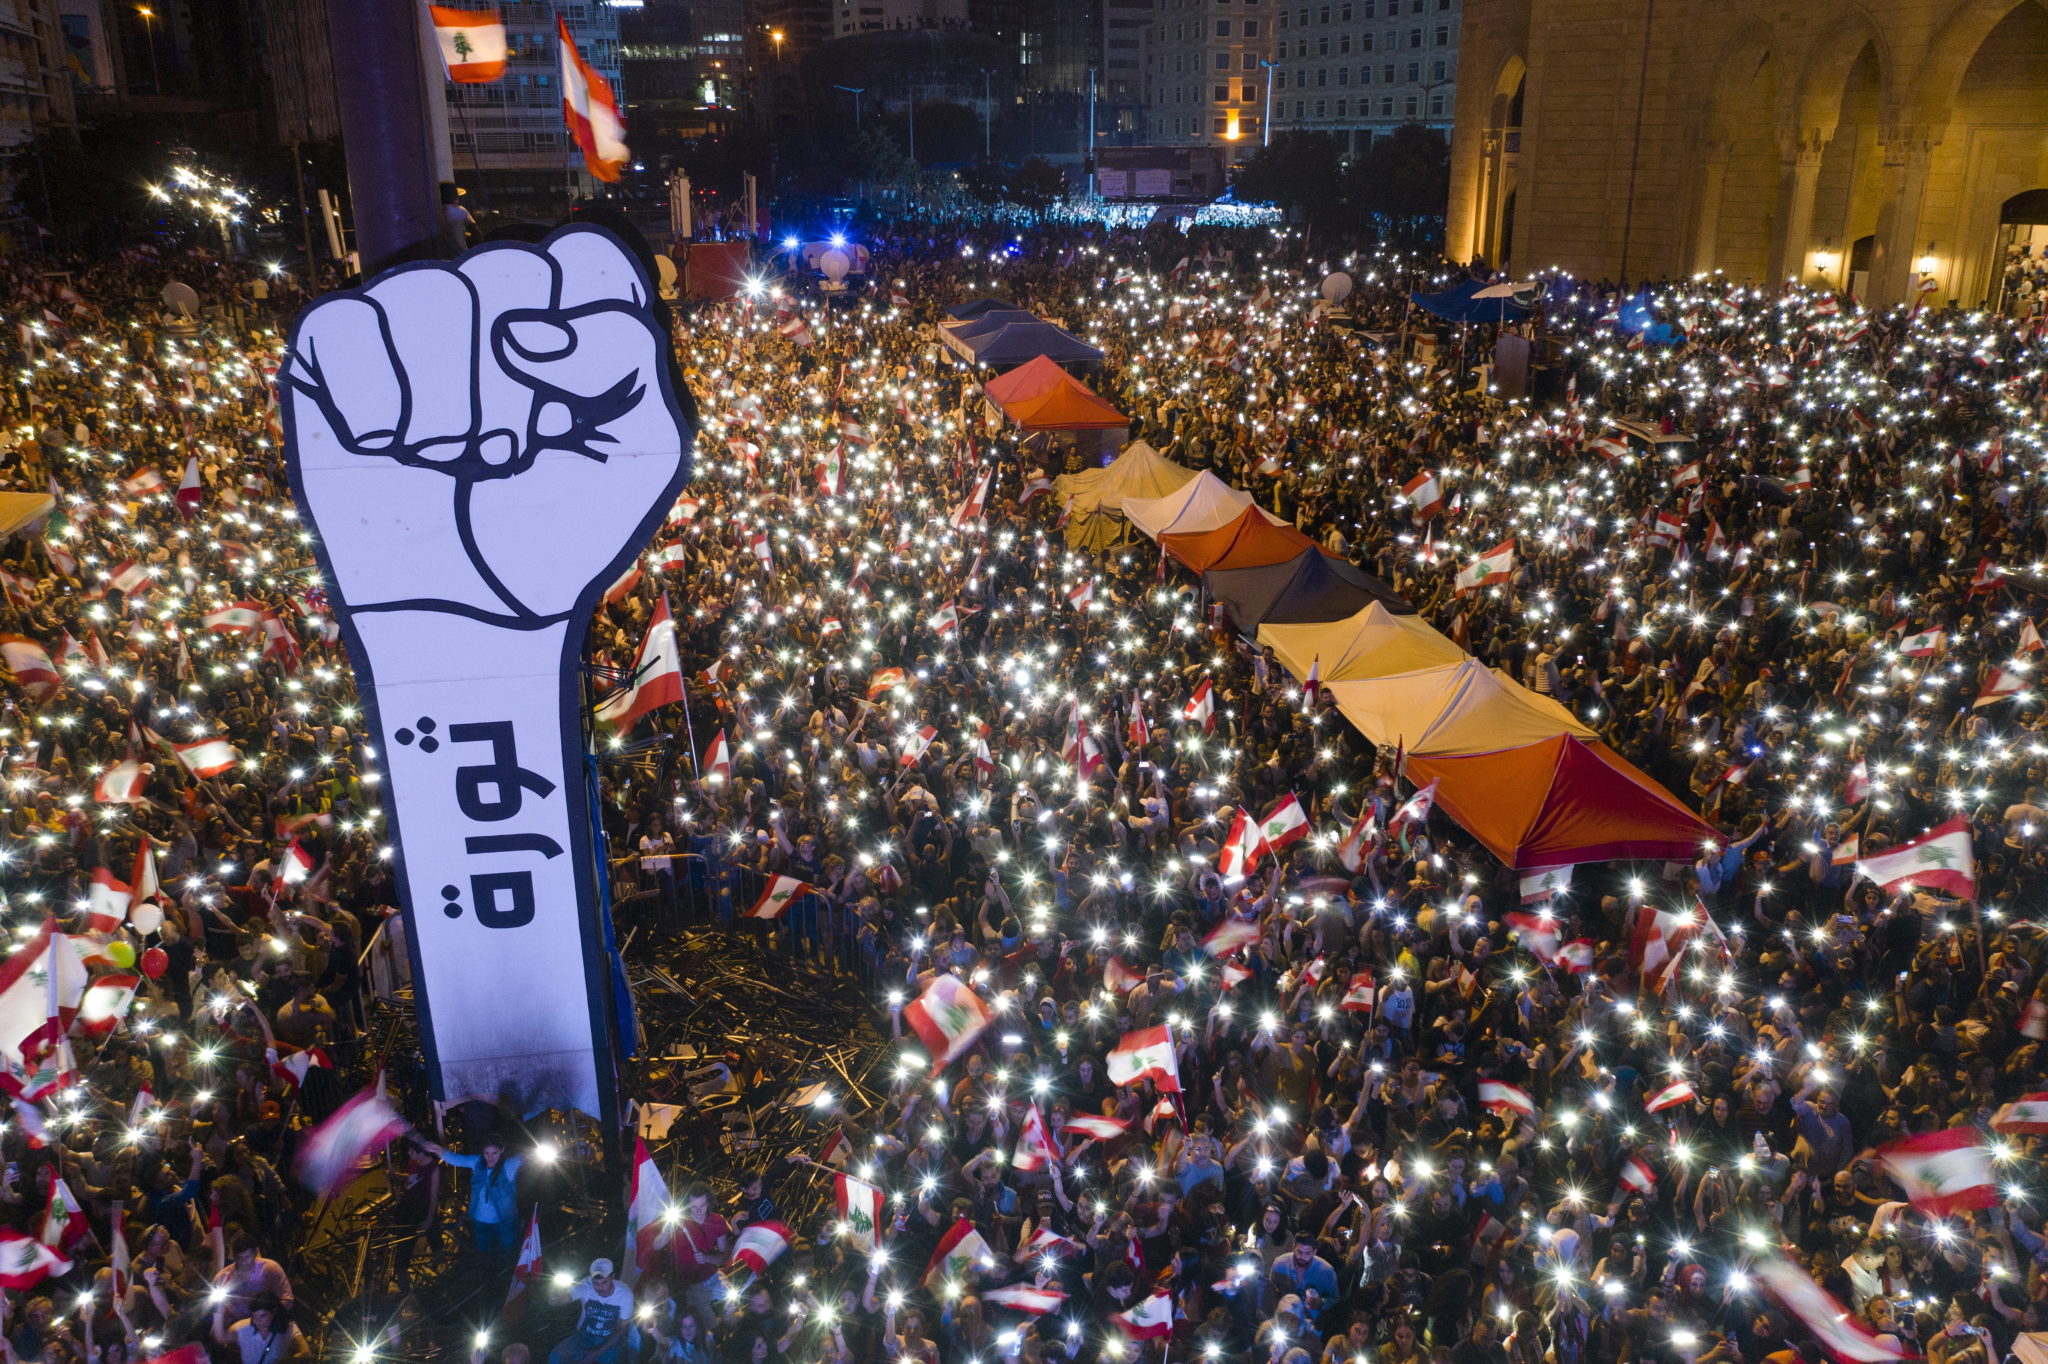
x=486, y=436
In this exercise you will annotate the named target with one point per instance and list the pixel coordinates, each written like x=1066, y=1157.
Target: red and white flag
x=1502, y=1097
x=26, y=1261
x=2005, y=684
x=332, y=1153
x=1082, y=597
x=1942, y=1173
x=1425, y=494
x=1672, y=1095
x=106, y=1002
x=42, y=987
x=143, y=483
x=1148, y=1320
x=288, y=1063
x=975, y=505
x=1201, y=708
x=294, y=864
x=2025, y=1116
x=472, y=43
x=64, y=1222
x=1541, y=884
x=657, y=678
x=1940, y=859
x=1145, y=1054
x=648, y=1226
x=29, y=664
x=1496, y=565
x=592, y=112
x=717, y=764
x=122, y=783
x=761, y=1244
x=1360, y=995
x=1352, y=848
x=1415, y=810
x=1095, y=1127
x=1926, y=644
x=947, y=1018
x=2030, y=639
x=1659, y=940
x=859, y=1205
x=1022, y=1297
x=956, y=1255
x=1229, y=935
x=1840, y=1334
x=207, y=757
x=1857, y=788
x=235, y=618
x=1240, y=850
x=191, y=492
x=527, y=1272
x=1637, y=1176
x=1034, y=1148
x=779, y=894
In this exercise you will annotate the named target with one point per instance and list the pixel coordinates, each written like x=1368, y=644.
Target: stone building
x=1866, y=146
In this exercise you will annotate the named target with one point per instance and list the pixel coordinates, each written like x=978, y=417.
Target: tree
x=1405, y=180
x=1300, y=171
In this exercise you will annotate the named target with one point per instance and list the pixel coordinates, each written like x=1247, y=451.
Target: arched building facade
x=1865, y=146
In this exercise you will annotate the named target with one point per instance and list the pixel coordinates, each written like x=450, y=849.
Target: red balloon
x=155, y=962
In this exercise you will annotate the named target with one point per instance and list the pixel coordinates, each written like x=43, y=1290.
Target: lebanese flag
x=1609, y=445
x=944, y=621
x=760, y=1244
x=106, y=1003
x=1497, y=565
x=1229, y=935
x=648, y=1228
x=294, y=864
x=957, y=1252
x=777, y=897
x=859, y=1205
x=623, y=588
x=1841, y=1334
x=1923, y=645
x=2005, y=684
x=947, y=1018
x=107, y=900
x=1672, y=1095
x=2030, y=639
x=835, y=1151
x=795, y=332
x=130, y=577
x=236, y=617
x=1667, y=530
x=1540, y=884
x=915, y=743
x=1801, y=480
x=657, y=675
x=1360, y=994
x=1424, y=494
x=592, y=112
x=207, y=757
x=1035, y=484
x=1637, y=1176
x=26, y=1261
x=1687, y=474
x=832, y=474
x=1096, y=1127
x=1149, y=1320
x=886, y=679
x=1034, y=1148
x=1022, y=1297
x=1940, y=859
x=1537, y=934
x=122, y=783
x=1351, y=851
x=332, y=1153
x=1986, y=577
x=472, y=44
x=2025, y=1116
x=1502, y=1097
x=975, y=504
x=528, y=1272
x=117, y=1253
x=142, y=484
x=1201, y=708
x=1576, y=956
x=1943, y=1173
x=1082, y=598
x=671, y=555
x=1415, y=811
x=1145, y=1054
x=191, y=492
x=1138, y=732
x=64, y=1224
x=1659, y=941
x=1312, y=685
x=1240, y=851
x=288, y=1062
x=717, y=764
x=2034, y=1020
x=28, y=663
x=1857, y=788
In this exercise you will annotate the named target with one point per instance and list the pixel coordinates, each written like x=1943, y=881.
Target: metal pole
x=1266, y=132
x=987, y=113
x=1088, y=162
x=387, y=129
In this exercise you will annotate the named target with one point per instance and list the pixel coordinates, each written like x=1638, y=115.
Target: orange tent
x=1251, y=541
x=1040, y=396
x=1559, y=801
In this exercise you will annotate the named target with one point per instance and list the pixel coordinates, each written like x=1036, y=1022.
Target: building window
x=1365, y=42
x=1301, y=47
x=1414, y=72
x=1218, y=127
x=1322, y=76
x=1387, y=74
x=1251, y=28
x=1223, y=94
x=1247, y=93
x=1387, y=107
x=1415, y=37
x=1436, y=71
x=1301, y=18
x=1409, y=106
x=1223, y=61
x=1301, y=78
x=1343, y=75
x=1251, y=61
x=1320, y=108
x=1368, y=7
x=1283, y=21
x=1300, y=109
x=1343, y=43
x=1436, y=106
x=1443, y=35
x=1223, y=28
x=1345, y=14
x=1340, y=108
x=1365, y=75
x=1323, y=15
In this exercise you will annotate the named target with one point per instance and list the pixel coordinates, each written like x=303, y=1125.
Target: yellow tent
x=1373, y=643
x=1095, y=497
x=22, y=509
x=1457, y=708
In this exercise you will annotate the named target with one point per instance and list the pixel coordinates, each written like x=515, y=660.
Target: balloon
x=145, y=918
x=1337, y=287
x=834, y=264
x=155, y=962
x=121, y=954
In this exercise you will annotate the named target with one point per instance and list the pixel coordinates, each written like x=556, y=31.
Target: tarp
x=1204, y=503
x=977, y=307
x=1095, y=498
x=713, y=269
x=1458, y=708
x=1311, y=586
x=1374, y=643
x=1561, y=800
x=23, y=509
x=1040, y=396
x=1461, y=304
x=1021, y=341
x=1253, y=540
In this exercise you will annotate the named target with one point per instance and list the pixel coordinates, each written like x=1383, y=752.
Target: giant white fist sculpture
x=481, y=447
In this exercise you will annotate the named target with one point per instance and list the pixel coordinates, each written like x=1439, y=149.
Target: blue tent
x=989, y=323
x=1020, y=342
x=961, y=311
x=1462, y=304
x=1309, y=588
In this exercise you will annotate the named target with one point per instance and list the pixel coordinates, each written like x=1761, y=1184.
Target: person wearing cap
x=604, y=1319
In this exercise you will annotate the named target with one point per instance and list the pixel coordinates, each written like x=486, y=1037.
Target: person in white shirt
x=603, y=1321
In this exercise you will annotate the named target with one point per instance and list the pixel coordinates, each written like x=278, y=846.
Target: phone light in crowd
x=563, y=1278
x=547, y=1153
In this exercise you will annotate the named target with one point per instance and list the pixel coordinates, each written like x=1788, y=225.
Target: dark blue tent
x=1308, y=588
x=976, y=308
x=1461, y=304
x=1021, y=342
x=989, y=322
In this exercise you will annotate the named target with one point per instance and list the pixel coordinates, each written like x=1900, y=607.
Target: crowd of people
x=1385, y=1120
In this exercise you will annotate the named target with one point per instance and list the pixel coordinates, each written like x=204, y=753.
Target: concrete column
x=1464, y=221
x=1908, y=152
x=1713, y=179
x=1799, y=176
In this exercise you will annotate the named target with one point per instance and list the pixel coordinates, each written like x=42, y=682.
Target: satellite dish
x=1337, y=287
x=665, y=272
x=835, y=264
x=181, y=299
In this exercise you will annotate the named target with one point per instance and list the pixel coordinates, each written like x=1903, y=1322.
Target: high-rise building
x=1361, y=68
x=1205, y=73
x=509, y=142
x=36, y=92
x=684, y=64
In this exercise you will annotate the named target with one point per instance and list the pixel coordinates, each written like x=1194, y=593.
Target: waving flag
x=1637, y=1176
x=1497, y=565
x=958, y=1251
x=1672, y=1095
x=106, y=1002
x=472, y=44
x=28, y=663
x=860, y=1207
x=1940, y=859
x=191, y=492
x=1240, y=850
x=648, y=1227
x=1502, y=1097
x=26, y=1261
x=122, y=783
x=529, y=1270
x=332, y=1153
x=1923, y=645
x=760, y=1244
x=592, y=112
x=2025, y=1116
x=947, y=1018
x=1351, y=851
x=42, y=987
x=1022, y=1297
x=207, y=757
x=1034, y=1148
x=657, y=678
x=1424, y=494
x=780, y=893
x=1149, y=1320
x=64, y=1224
x=717, y=764
x=1659, y=940
x=1360, y=994
x=1943, y=1173
x=1841, y=1334
x=1146, y=1054
x=1201, y=709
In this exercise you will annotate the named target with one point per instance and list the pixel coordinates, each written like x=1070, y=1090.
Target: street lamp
x=856, y=91
x=156, y=80
x=775, y=37
x=1266, y=133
